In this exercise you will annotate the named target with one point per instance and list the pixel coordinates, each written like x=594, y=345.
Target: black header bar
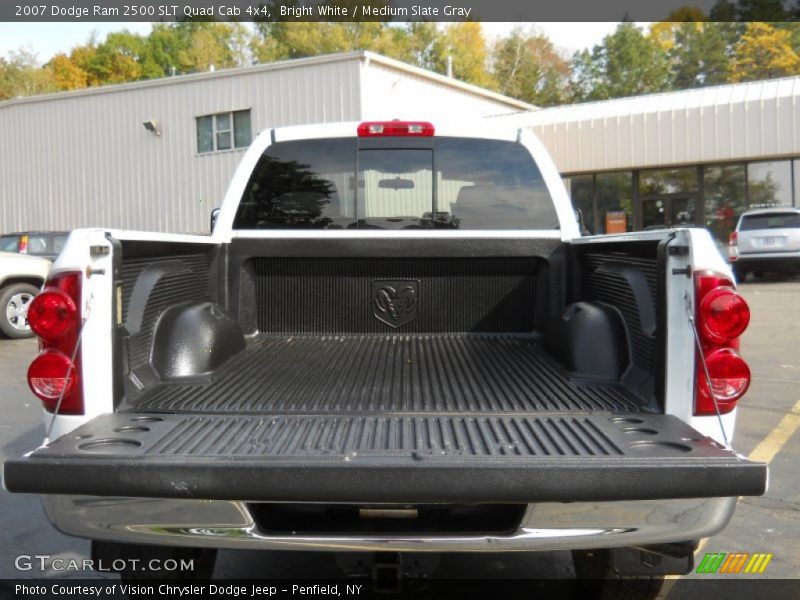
x=345, y=10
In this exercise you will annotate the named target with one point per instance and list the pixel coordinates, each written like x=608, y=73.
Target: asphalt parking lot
x=767, y=425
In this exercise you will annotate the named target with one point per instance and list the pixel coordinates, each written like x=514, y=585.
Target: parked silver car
x=21, y=278
x=766, y=239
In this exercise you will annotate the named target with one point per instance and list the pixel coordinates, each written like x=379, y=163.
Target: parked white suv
x=766, y=239
x=21, y=278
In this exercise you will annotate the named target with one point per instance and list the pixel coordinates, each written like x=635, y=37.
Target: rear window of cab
x=445, y=183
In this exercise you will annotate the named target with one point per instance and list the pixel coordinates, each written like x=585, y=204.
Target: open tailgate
x=387, y=458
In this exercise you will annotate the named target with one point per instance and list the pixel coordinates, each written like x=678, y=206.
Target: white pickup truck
x=395, y=340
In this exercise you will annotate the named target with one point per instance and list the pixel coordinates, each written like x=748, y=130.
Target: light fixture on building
x=152, y=126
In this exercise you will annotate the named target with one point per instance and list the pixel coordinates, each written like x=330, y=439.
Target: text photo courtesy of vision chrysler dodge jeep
x=392, y=319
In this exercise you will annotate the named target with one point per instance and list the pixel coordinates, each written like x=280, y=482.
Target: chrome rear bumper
x=545, y=526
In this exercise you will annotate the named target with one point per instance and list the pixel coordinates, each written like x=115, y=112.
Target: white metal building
x=696, y=157
x=158, y=155
x=85, y=159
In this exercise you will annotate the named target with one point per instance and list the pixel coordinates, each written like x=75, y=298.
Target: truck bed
x=402, y=374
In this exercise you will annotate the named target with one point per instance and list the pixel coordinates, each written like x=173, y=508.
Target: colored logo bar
x=734, y=562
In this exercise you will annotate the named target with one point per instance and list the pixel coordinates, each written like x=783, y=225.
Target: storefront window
x=580, y=190
x=769, y=183
x=724, y=198
x=614, y=193
x=667, y=181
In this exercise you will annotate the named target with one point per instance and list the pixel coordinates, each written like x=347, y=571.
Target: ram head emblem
x=394, y=302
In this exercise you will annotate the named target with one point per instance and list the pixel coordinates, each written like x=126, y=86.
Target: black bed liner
x=354, y=374
x=422, y=458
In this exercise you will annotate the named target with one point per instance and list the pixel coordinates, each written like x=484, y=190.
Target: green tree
x=115, y=60
x=700, y=55
x=169, y=49
x=750, y=10
x=529, y=68
x=168, y=45
x=21, y=75
x=221, y=45
x=723, y=11
x=192, y=46
x=424, y=45
x=626, y=63
x=281, y=40
x=761, y=10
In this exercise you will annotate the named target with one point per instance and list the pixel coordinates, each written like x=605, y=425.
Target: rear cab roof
x=471, y=129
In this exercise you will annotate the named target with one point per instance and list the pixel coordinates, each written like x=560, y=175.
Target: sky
x=47, y=39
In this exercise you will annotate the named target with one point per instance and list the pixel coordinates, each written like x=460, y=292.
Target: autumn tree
x=466, y=45
x=764, y=52
x=65, y=74
x=423, y=44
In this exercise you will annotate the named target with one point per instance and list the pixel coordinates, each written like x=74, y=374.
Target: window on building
x=769, y=183
x=223, y=131
x=724, y=187
x=614, y=193
x=580, y=190
x=667, y=181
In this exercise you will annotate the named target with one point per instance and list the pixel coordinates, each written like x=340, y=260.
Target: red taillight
x=733, y=246
x=55, y=317
x=722, y=316
x=729, y=374
x=395, y=128
x=52, y=314
x=52, y=374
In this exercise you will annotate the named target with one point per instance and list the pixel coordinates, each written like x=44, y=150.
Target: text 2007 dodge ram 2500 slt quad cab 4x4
x=394, y=340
